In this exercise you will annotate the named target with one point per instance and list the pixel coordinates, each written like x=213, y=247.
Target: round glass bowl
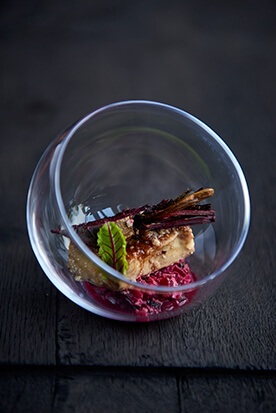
x=126, y=155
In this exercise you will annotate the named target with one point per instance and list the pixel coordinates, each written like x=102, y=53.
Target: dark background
x=62, y=59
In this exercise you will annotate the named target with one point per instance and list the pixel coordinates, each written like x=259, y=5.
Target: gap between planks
x=123, y=370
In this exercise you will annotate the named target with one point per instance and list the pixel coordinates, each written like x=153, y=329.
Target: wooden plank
x=23, y=391
x=27, y=298
x=27, y=305
x=231, y=393
x=129, y=390
x=64, y=391
x=116, y=392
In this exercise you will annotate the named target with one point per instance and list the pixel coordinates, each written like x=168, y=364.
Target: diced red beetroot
x=137, y=294
x=167, y=306
x=146, y=304
x=165, y=282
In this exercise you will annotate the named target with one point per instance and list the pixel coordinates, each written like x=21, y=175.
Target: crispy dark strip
x=177, y=212
x=199, y=217
x=99, y=222
x=165, y=214
x=184, y=201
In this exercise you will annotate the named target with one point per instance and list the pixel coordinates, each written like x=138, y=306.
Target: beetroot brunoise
x=143, y=304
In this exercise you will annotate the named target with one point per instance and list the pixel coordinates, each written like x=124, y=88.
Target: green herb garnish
x=112, y=245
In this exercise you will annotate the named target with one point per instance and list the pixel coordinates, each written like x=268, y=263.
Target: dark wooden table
x=63, y=59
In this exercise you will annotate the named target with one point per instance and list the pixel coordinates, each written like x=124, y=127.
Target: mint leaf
x=112, y=245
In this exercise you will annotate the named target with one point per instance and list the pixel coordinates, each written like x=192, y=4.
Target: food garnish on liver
x=156, y=237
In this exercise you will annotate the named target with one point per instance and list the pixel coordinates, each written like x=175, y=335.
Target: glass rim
x=97, y=260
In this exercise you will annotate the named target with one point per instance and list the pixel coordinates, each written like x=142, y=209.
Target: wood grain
x=116, y=391
x=236, y=392
x=22, y=391
x=27, y=331
x=129, y=390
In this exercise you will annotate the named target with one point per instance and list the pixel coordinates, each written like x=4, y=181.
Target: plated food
x=114, y=158
x=148, y=244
